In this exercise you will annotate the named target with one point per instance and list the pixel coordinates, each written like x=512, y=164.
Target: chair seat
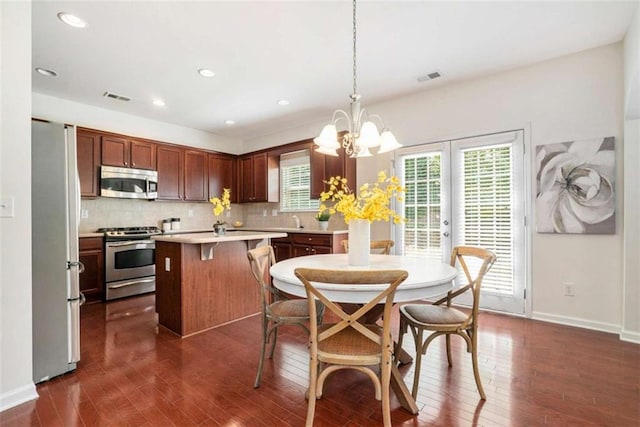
x=433, y=314
x=290, y=308
x=349, y=344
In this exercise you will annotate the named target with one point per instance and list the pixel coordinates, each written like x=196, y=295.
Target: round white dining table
x=426, y=278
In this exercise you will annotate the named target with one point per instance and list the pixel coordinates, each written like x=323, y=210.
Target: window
x=295, y=182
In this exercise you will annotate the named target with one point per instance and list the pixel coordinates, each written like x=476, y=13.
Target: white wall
x=16, y=385
x=631, y=296
x=66, y=111
x=569, y=98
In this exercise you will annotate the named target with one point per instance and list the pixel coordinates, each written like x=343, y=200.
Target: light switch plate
x=6, y=207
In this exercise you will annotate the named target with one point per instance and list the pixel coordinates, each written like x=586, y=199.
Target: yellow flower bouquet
x=373, y=203
x=220, y=204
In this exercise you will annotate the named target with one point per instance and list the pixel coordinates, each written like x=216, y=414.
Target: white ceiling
x=264, y=51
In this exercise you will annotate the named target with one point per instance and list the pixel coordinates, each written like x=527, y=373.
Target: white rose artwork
x=576, y=191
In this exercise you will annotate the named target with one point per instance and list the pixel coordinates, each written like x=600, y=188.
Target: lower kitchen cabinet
x=302, y=244
x=92, y=279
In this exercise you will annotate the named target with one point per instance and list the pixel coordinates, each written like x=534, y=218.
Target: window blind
x=295, y=182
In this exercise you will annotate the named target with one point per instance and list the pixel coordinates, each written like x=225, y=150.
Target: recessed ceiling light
x=45, y=72
x=72, y=20
x=204, y=72
x=283, y=102
x=229, y=122
x=158, y=102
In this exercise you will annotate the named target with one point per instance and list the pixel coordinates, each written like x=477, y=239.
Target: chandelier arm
x=376, y=116
x=336, y=117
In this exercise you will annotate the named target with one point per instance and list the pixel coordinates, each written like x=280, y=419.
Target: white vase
x=324, y=225
x=359, y=242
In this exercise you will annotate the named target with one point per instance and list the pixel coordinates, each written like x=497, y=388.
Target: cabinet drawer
x=90, y=243
x=312, y=239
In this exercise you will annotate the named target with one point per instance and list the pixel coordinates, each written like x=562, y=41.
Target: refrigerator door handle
x=79, y=264
x=74, y=331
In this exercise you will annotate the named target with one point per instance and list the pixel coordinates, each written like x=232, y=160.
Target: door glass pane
x=487, y=210
x=422, y=180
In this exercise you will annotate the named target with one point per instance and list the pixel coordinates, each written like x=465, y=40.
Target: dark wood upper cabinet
x=222, y=174
x=258, y=174
x=124, y=152
x=196, y=176
x=324, y=167
x=88, y=153
x=170, y=172
x=115, y=151
x=143, y=154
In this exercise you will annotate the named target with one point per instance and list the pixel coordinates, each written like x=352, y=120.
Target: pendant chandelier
x=362, y=133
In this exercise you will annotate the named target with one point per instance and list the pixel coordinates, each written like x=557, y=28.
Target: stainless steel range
x=130, y=265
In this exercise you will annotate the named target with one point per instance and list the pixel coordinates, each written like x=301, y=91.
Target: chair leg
x=476, y=370
x=418, y=366
x=311, y=404
x=263, y=348
x=274, y=332
x=401, y=332
x=385, y=379
x=448, y=338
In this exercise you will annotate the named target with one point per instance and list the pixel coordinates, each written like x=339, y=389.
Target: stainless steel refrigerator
x=55, y=199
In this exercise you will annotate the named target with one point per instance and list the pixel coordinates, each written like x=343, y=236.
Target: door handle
x=445, y=234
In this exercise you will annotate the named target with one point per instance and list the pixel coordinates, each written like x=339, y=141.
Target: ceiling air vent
x=427, y=77
x=116, y=96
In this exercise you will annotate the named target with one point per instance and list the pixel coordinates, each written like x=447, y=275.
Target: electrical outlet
x=190, y=212
x=167, y=264
x=84, y=213
x=264, y=212
x=568, y=289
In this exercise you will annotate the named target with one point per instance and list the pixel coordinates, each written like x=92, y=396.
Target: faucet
x=297, y=220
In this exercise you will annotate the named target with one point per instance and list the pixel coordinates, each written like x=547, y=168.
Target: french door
x=468, y=192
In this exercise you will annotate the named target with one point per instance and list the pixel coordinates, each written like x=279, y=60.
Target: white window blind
x=484, y=196
x=295, y=182
x=422, y=205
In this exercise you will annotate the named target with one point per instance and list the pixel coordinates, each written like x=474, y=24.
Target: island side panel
x=219, y=290
x=168, y=289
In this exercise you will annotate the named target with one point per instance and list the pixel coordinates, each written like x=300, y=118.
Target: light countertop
x=210, y=237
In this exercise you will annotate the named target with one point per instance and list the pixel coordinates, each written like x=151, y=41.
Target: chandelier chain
x=354, y=48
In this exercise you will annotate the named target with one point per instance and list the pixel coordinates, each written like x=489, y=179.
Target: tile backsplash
x=108, y=212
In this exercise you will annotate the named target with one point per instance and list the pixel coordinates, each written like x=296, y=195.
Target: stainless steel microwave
x=128, y=183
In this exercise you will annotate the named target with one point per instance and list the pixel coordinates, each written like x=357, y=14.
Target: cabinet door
x=282, y=248
x=143, y=155
x=324, y=167
x=260, y=178
x=195, y=176
x=222, y=174
x=115, y=151
x=246, y=179
x=170, y=174
x=92, y=278
x=88, y=152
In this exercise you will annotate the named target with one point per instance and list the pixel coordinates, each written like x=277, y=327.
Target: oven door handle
x=132, y=243
x=133, y=282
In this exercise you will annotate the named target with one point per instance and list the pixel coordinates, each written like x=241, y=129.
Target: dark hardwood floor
x=134, y=374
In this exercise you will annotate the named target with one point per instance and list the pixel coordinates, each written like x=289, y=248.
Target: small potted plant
x=323, y=219
x=220, y=204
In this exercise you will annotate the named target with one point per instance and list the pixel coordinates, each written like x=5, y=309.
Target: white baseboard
x=630, y=336
x=576, y=321
x=17, y=396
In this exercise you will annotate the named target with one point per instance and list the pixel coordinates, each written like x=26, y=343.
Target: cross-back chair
x=377, y=246
x=348, y=343
x=442, y=319
x=277, y=310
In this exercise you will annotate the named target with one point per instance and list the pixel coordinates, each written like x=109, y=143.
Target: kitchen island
x=204, y=280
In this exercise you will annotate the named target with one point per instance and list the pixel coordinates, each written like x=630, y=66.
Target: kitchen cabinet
x=302, y=244
x=92, y=278
x=258, y=178
x=222, y=174
x=170, y=172
x=124, y=152
x=196, y=176
x=282, y=248
x=88, y=154
x=324, y=167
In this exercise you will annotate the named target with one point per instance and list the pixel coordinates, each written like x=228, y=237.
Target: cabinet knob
x=125, y=163
x=133, y=163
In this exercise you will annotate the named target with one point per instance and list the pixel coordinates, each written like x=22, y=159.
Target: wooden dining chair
x=377, y=246
x=348, y=343
x=442, y=319
x=277, y=310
